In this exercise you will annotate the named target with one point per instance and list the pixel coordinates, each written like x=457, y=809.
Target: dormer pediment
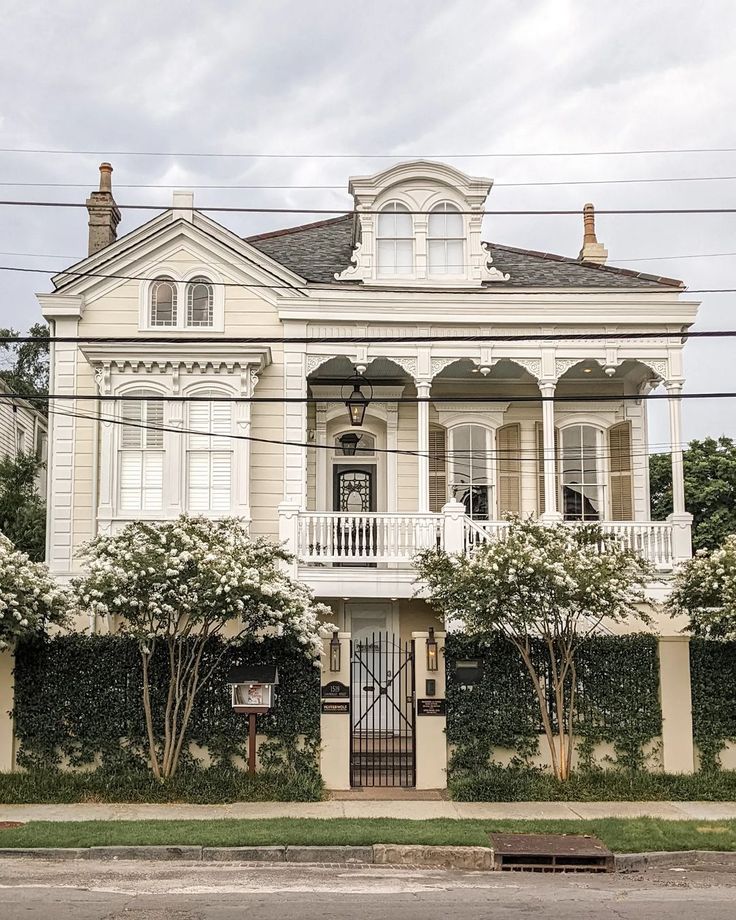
x=419, y=223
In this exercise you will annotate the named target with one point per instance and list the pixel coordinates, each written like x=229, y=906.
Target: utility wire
x=370, y=156
x=343, y=188
x=409, y=400
x=447, y=456
x=234, y=209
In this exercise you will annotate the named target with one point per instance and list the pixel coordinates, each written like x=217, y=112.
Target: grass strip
x=623, y=835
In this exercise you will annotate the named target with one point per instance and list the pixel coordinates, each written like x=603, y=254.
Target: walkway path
x=412, y=810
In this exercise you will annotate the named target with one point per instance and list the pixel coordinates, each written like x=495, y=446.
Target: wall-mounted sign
x=335, y=690
x=431, y=707
x=335, y=707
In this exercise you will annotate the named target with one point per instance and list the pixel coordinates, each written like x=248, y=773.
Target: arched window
x=200, y=299
x=141, y=453
x=583, y=477
x=395, y=241
x=210, y=456
x=470, y=464
x=163, y=302
x=446, y=241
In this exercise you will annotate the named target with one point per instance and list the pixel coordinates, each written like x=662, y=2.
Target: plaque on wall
x=336, y=707
x=335, y=690
x=431, y=707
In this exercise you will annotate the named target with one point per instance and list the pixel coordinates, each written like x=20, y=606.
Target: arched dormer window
x=446, y=241
x=163, y=302
x=395, y=241
x=200, y=302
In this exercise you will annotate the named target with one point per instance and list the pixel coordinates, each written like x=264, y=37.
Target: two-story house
x=365, y=386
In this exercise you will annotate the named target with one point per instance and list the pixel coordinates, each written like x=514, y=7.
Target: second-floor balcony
x=392, y=540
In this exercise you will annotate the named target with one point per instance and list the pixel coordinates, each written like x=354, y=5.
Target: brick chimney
x=104, y=215
x=592, y=250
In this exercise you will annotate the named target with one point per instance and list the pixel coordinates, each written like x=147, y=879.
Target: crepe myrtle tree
x=555, y=583
x=31, y=600
x=181, y=583
x=705, y=591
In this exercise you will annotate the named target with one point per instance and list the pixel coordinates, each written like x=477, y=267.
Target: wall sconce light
x=349, y=443
x=432, y=654
x=357, y=402
x=334, y=653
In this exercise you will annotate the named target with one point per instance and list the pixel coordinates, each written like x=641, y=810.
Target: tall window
x=209, y=457
x=395, y=241
x=470, y=482
x=163, y=302
x=141, y=455
x=445, y=241
x=582, y=474
x=200, y=300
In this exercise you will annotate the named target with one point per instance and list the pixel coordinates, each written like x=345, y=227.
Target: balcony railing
x=393, y=539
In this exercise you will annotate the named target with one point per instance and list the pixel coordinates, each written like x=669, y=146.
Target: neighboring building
x=23, y=430
x=356, y=518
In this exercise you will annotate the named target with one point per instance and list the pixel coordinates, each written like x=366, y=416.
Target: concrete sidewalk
x=411, y=810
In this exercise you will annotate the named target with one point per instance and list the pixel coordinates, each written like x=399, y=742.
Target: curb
x=466, y=858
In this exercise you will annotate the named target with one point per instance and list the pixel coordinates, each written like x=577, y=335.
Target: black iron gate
x=382, y=698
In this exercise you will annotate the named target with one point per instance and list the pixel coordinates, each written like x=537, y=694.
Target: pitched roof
x=318, y=250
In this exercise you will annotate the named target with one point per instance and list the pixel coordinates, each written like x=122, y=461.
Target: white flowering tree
x=556, y=584
x=31, y=600
x=180, y=584
x=705, y=591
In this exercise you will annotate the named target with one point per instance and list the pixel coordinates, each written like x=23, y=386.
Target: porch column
x=7, y=734
x=335, y=716
x=680, y=519
x=430, y=737
x=423, y=388
x=547, y=389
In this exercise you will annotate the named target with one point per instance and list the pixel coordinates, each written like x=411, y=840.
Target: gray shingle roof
x=317, y=251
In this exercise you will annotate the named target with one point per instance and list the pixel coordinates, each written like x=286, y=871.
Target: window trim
x=394, y=206
x=446, y=207
x=183, y=285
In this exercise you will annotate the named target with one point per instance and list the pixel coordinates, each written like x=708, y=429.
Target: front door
x=354, y=494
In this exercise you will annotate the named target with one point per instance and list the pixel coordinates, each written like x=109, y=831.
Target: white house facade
x=491, y=380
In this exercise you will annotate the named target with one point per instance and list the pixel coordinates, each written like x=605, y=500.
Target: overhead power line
x=235, y=209
x=200, y=154
x=412, y=400
x=343, y=187
x=366, y=339
x=447, y=456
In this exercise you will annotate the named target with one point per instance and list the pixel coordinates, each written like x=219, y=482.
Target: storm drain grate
x=550, y=853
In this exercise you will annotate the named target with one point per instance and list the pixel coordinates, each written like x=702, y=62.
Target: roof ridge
x=285, y=232
x=555, y=257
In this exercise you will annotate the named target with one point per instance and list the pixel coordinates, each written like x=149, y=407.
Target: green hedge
x=713, y=678
x=78, y=698
x=617, y=702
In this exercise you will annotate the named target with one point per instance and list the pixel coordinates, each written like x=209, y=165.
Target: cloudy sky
x=439, y=78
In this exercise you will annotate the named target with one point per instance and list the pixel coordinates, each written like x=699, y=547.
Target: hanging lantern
x=334, y=653
x=432, y=652
x=357, y=402
x=349, y=443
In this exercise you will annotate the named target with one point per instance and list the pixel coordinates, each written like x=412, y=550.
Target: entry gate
x=382, y=749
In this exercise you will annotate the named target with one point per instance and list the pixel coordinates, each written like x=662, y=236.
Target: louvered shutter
x=210, y=457
x=619, y=449
x=141, y=463
x=540, y=464
x=437, y=468
x=509, y=470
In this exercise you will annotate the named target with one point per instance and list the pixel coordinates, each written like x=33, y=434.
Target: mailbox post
x=252, y=689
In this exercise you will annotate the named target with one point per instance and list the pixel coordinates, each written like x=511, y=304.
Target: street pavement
x=387, y=808
x=86, y=890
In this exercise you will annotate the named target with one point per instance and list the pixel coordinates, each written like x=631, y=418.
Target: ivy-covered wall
x=78, y=700
x=617, y=701
x=713, y=680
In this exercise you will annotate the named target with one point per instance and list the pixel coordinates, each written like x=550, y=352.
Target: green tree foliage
x=553, y=583
x=710, y=489
x=178, y=587
x=705, y=591
x=22, y=510
x=25, y=365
